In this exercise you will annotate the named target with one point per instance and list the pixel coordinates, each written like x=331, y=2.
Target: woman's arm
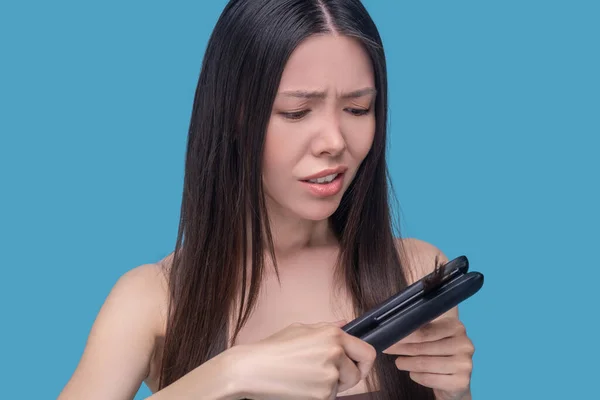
x=119, y=349
x=216, y=379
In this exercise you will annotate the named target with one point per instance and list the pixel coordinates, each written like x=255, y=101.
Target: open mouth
x=325, y=179
x=326, y=186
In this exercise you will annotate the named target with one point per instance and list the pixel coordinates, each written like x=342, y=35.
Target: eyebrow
x=304, y=94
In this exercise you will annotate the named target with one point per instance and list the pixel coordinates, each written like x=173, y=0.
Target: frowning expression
x=321, y=128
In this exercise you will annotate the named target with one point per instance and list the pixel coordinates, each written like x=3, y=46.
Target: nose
x=330, y=140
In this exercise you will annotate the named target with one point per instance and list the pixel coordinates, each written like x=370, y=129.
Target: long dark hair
x=223, y=202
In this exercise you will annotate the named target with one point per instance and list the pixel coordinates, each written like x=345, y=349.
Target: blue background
x=495, y=117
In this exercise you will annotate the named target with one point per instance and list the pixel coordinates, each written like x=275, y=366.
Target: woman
x=285, y=232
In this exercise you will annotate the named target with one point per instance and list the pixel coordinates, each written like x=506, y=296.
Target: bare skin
x=332, y=127
x=127, y=354
x=281, y=306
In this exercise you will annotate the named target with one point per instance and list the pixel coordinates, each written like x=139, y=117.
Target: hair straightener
x=418, y=304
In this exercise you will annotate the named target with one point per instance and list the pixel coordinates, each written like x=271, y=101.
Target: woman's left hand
x=438, y=355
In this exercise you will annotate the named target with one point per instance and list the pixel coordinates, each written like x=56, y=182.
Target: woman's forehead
x=328, y=63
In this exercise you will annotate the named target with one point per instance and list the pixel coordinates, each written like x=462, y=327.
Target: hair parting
x=224, y=237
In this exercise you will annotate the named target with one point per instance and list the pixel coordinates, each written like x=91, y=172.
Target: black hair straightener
x=419, y=303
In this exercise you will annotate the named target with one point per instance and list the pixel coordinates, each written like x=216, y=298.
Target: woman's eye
x=358, y=111
x=295, y=114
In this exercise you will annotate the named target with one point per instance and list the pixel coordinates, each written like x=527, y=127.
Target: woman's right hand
x=304, y=361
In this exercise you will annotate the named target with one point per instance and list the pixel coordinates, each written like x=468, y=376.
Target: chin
x=319, y=211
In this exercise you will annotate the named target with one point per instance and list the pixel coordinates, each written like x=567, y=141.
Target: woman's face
x=322, y=126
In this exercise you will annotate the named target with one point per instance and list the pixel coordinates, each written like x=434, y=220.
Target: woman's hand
x=438, y=355
x=303, y=362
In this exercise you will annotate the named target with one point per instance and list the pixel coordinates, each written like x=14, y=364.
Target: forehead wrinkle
x=305, y=94
x=315, y=94
x=359, y=93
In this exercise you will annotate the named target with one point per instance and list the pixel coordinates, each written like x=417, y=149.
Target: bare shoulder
x=418, y=257
x=144, y=289
x=122, y=339
x=145, y=277
x=144, y=286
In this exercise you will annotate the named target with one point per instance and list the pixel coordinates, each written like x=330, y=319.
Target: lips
x=325, y=179
x=327, y=189
x=326, y=173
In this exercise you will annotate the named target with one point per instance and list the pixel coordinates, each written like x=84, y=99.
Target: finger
x=350, y=374
x=429, y=364
x=451, y=383
x=360, y=352
x=435, y=330
x=443, y=347
x=334, y=393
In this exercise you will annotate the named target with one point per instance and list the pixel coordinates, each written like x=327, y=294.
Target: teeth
x=325, y=179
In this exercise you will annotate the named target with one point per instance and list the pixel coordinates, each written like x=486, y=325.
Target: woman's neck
x=292, y=234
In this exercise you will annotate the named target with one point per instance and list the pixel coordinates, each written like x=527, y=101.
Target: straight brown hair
x=223, y=201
